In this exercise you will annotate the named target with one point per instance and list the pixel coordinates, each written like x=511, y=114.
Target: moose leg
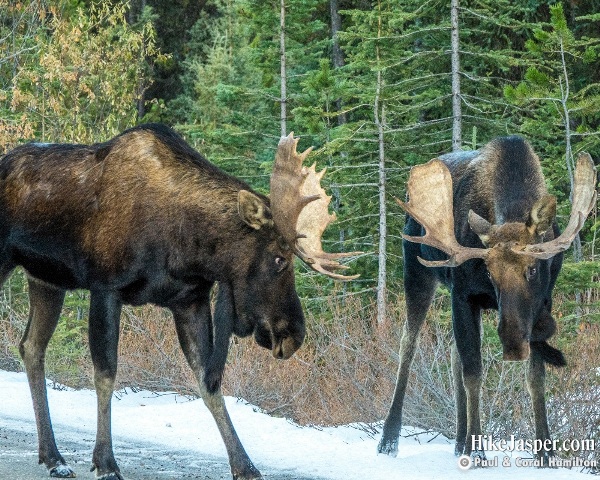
x=536, y=377
x=419, y=287
x=45, y=304
x=466, y=320
x=105, y=312
x=223, y=320
x=460, y=396
x=194, y=329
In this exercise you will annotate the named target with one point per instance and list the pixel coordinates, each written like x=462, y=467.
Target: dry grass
x=345, y=372
x=149, y=352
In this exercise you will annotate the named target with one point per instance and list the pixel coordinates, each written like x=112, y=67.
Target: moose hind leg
x=45, y=304
x=194, y=329
x=536, y=379
x=105, y=311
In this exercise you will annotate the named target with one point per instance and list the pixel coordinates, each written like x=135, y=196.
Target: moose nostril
x=278, y=351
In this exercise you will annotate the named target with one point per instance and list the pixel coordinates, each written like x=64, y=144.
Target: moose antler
x=430, y=204
x=300, y=209
x=584, y=199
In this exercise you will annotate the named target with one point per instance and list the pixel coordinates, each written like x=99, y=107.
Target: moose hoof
x=62, y=471
x=248, y=473
x=478, y=459
x=107, y=476
x=388, y=447
x=111, y=476
x=459, y=449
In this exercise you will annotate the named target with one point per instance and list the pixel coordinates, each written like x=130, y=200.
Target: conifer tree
x=556, y=103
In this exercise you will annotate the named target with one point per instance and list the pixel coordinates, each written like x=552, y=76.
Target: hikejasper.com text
x=490, y=444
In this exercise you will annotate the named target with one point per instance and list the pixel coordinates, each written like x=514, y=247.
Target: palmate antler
x=584, y=199
x=300, y=209
x=430, y=204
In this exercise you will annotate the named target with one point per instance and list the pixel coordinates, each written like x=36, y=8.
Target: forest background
x=377, y=87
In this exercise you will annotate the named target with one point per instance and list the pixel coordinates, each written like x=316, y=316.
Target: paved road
x=18, y=460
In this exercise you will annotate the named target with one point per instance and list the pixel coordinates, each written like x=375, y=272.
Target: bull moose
x=483, y=224
x=144, y=218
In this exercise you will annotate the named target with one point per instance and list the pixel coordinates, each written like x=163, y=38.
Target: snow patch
x=179, y=423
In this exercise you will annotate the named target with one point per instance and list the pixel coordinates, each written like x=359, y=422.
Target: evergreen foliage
x=75, y=73
x=83, y=70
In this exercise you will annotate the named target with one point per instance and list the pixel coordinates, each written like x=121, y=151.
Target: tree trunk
x=456, y=101
x=379, y=111
x=565, y=93
x=283, y=72
x=379, y=115
x=337, y=56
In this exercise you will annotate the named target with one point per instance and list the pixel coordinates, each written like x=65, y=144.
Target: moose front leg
x=223, y=320
x=105, y=312
x=419, y=286
x=467, y=370
x=44, y=311
x=460, y=397
x=195, y=332
x=536, y=379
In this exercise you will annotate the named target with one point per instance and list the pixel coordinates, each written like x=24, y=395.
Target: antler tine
x=430, y=204
x=584, y=199
x=286, y=183
x=300, y=209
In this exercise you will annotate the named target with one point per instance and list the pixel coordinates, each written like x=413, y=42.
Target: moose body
x=494, y=206
x=144, y=218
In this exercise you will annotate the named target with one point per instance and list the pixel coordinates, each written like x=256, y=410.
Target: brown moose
x=483, y=224
x=144, y=218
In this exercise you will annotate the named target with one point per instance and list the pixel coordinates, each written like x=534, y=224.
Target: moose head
x=514, y=253
x=291, y=221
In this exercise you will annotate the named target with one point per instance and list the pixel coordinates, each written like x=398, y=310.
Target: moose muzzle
x=285, y=347
x=514, y=328
x=282, y=345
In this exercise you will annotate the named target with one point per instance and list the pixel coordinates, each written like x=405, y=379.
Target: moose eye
x=531, y=273
x=281, y=263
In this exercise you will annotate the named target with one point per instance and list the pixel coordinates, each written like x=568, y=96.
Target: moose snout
x=515, y=342
x=282, y=345
x=285, y=347
x=514, y=327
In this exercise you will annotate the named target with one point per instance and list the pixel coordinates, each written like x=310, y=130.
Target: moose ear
x=542, y=215
x=480, y=226
x=253, y=211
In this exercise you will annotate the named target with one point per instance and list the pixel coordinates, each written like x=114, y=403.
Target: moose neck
x=510, y=179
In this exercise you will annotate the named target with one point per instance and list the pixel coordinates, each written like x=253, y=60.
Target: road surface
x=18, y=458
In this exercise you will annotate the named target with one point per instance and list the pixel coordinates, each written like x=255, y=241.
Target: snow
x=176, y=422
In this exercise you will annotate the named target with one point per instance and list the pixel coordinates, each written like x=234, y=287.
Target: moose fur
x=144, y=218
x=500, y=200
